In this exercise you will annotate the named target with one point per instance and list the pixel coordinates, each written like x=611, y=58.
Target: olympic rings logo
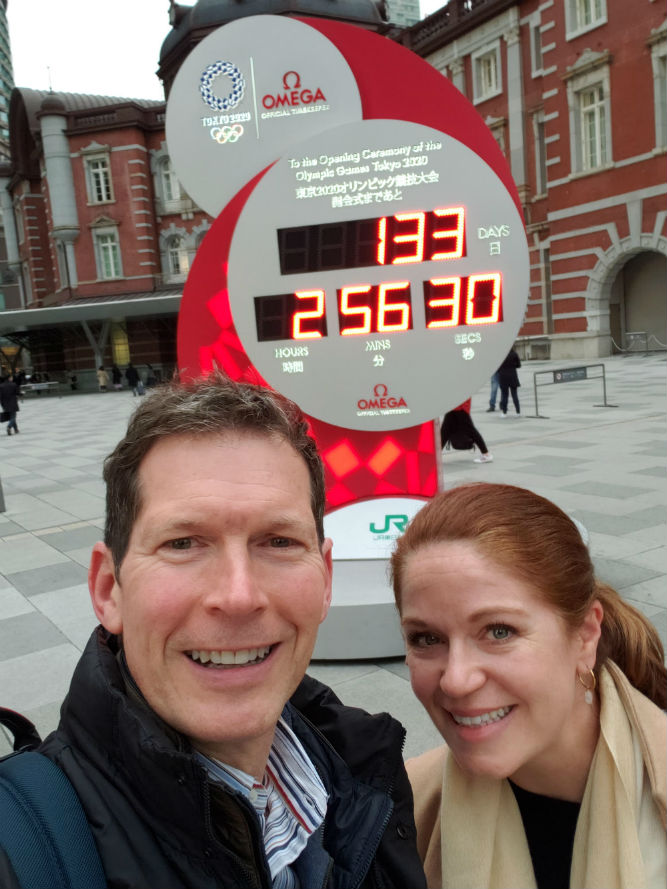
x=227, y=134
x=238, y=86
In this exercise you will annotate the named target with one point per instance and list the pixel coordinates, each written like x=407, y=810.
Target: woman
x=508, y=380
x=544, y=684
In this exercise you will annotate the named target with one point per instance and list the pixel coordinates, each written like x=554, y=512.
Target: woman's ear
x=104, y=589
x=589, y=636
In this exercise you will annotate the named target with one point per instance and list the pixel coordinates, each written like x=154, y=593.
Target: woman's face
x=494, y=665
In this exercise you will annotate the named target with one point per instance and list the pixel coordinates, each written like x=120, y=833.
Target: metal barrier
x=569, y=375
x=51, y=386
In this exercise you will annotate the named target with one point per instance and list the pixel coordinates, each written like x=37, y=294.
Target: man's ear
x=327, y=547
x=104, y=589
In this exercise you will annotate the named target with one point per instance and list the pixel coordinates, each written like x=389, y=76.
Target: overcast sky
x=86, y=46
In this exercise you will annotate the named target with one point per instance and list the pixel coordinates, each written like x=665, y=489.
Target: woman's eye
x=500, y=632
x=422, y=640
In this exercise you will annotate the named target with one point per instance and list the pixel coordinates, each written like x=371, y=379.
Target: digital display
x=366, y=308
x=388, y=240
x=380, y=308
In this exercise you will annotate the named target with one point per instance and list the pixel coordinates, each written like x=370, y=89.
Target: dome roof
x=52, y=103
x=206, y=15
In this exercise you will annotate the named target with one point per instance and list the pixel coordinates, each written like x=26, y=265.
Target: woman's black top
x=549, y=825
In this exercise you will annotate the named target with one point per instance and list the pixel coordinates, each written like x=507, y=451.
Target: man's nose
x=233, y=585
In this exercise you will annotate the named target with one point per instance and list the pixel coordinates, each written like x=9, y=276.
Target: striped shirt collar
x=290, y=802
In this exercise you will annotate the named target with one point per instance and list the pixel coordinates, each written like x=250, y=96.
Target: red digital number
x=385, y=308
x=483, y=299
x=449, y=304
x=299, y=317
x=347, y=309
x=455, y=234
x=452, y=302
x=415, y=237
x=377, y=312
x=422, y=231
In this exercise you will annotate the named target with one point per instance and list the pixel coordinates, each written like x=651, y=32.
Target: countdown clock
x=410, y=301
x=368, y=260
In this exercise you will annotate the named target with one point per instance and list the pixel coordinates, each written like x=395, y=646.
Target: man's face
x=222, y=589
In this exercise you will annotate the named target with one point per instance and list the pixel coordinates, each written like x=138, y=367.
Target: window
x=107, y=254
x=18, y=215
x=589, y=112
x=486, y=75
x=177, y=257
x=63, y=270
x=583, y=15
x=120, y=347
x=98, y=178
x=497, y=126
x=539, y=133
x=658, y=44
x=593, y=130
x=171, y=189
x=535, y=49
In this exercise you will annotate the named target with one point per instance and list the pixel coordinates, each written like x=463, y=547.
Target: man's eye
x=180, y=543
x=281, y=542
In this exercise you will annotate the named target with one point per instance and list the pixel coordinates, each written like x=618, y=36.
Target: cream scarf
x=619, y=841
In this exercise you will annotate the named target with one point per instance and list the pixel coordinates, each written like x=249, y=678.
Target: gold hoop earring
x=588, y=694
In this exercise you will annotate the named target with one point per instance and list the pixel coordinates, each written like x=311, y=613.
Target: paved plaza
x=603, y=465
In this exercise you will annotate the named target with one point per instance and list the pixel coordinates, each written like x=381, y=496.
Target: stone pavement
x=603, y=465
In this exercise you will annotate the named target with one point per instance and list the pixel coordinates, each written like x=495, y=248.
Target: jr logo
x=398, y=521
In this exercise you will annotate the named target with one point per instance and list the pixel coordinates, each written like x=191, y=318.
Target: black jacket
x=9, y=392
x=507, y=374
x=158, y=822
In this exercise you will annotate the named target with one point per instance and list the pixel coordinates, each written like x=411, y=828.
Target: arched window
x=177, y=256
x=171, y=190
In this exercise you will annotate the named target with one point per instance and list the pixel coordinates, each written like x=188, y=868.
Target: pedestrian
x=132, y=377
x=102, y=379
x=116, y=377
x=200, y=751
x=9, y=402
x=508, y=380
x=494, y=393
x=459, y=431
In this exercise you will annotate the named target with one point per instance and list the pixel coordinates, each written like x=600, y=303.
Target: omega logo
x=292, y=94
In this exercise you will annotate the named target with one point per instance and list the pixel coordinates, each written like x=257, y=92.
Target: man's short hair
x=207, y=406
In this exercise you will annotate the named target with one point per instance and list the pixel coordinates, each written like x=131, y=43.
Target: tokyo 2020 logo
x=238, y=86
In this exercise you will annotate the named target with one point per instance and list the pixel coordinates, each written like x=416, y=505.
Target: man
x=9, y=402
x=200, y=753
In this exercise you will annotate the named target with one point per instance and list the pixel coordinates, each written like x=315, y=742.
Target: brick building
x=98, y=232
x=575, y=93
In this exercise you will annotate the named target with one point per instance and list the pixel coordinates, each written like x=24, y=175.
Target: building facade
x=99, y=233
x=575, y=93
x=6, y=81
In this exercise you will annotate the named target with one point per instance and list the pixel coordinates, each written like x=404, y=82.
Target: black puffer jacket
x=158, y=822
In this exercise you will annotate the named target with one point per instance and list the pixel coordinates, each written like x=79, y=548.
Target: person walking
x=102, y=379
x=116, y=377
x=9, y=401
x=508, y=380
x=132, y=377
x=494, y=393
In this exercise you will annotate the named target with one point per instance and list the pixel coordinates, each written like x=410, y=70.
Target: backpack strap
x=43, y=829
